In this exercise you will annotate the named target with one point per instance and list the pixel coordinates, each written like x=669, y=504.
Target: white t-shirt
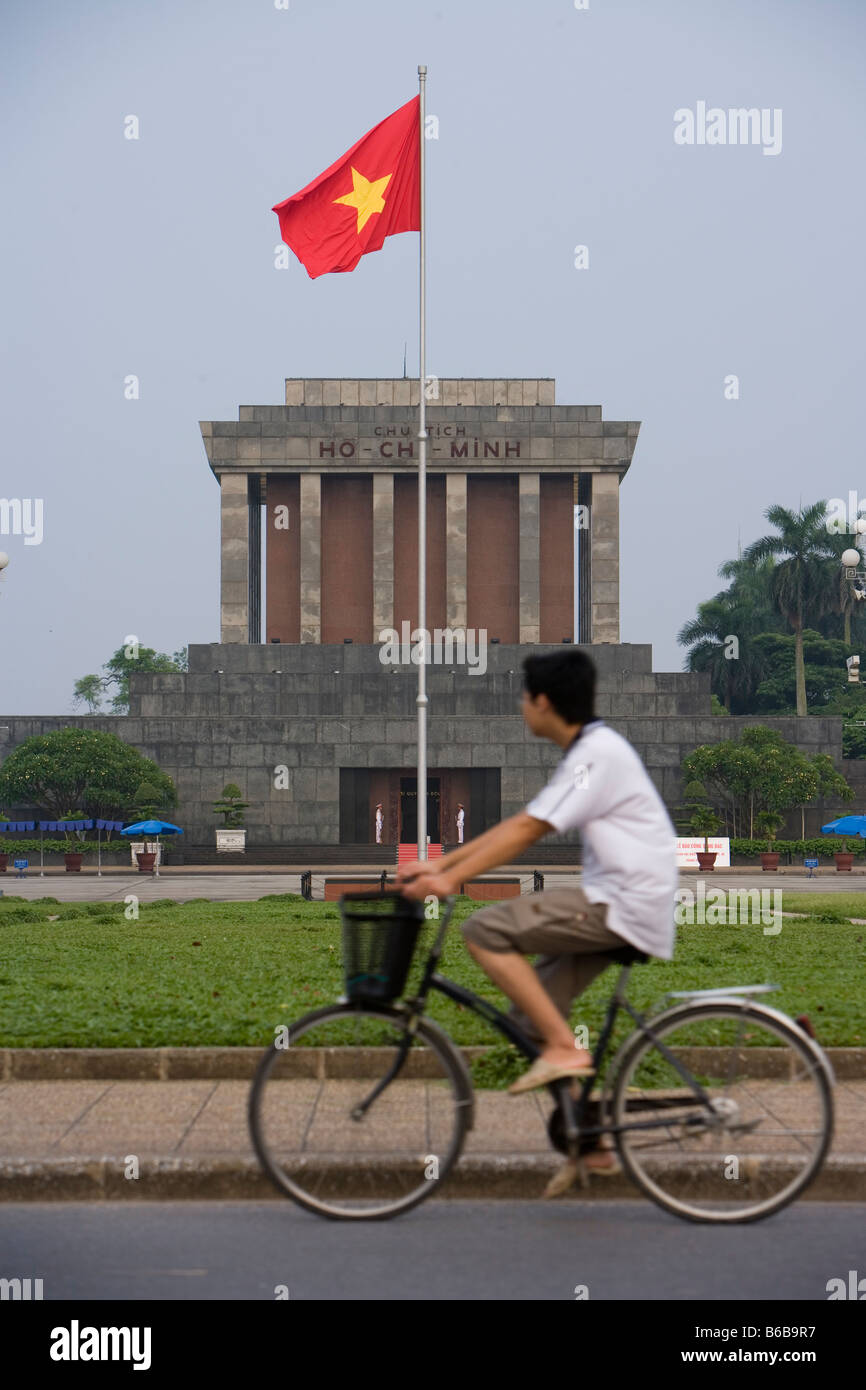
x=602, y=789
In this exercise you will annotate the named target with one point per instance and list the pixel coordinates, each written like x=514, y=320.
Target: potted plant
x=148, y=802
x=769, y=822
x=705, y=822
x=73, y=856
x=845, y=857
x=231, y=835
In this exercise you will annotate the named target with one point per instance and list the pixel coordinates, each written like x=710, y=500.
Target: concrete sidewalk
x=74, y=1140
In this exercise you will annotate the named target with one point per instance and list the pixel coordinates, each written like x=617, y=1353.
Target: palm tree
x=750, y=585
x=742, y=611
x=732, y=672
x=798, y=582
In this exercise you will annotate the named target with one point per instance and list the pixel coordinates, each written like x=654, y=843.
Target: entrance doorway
x=409, y=810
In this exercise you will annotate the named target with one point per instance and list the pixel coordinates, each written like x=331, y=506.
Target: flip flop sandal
x=543, y=1073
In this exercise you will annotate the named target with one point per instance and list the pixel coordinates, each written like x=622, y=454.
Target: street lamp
x=852, y=563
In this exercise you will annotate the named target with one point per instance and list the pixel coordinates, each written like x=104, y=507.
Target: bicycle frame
x=573, y=1108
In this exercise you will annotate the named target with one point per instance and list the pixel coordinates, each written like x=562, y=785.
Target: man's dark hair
x=567, y=679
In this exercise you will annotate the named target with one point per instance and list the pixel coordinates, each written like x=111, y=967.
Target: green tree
x=828, y=690
x=129, y=661
x=761, y=775
x=125, y=662
x=85, y=768
x=798, y=583
x=89, y=691
x=721, y=637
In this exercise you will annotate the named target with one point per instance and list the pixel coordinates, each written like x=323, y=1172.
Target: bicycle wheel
x=760, y=1136
x=338, y=1133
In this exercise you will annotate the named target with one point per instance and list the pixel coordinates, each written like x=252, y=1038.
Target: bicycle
x=366, y=1118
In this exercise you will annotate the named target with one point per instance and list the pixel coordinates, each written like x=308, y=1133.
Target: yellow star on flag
x=366, y=196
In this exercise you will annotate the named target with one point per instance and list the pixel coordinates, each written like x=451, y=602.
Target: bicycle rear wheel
x=758, y=1139
x=348, y=1123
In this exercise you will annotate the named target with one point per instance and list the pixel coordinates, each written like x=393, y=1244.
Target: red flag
x=372, y=191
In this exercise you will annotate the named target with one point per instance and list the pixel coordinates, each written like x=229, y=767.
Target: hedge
x=823, y=848
x=28, y=847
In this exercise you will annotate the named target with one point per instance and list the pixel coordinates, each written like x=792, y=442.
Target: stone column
x=605, y=557
x=383, y=552
x=583, y=499
x=455, y=550
x=234, y=558
x=530, y=556
x=254, y=510
x=311, y=557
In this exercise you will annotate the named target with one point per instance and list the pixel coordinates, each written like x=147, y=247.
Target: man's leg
x=570, y=932
x=516, y=978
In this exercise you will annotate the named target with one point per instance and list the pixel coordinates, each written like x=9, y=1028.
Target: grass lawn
x=839, y=906
x=220, y=974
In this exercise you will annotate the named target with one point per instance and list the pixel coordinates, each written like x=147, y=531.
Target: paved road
x=241, y=887
x=445, y=1250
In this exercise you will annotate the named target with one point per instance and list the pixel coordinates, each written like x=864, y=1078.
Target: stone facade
x=243, y=712
x=309, y=723
x=496, y=443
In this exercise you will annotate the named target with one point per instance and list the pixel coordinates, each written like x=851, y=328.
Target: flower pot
x=770, y=862
x=843, y=863
x=231, y=841
x=706, y=860
x=146, y=863
x=4, y=860
x=73, y=863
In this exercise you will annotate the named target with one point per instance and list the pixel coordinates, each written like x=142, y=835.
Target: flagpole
x=422, y=493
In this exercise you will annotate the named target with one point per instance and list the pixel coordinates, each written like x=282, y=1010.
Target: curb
x=239, y=1063
x=476, y=1177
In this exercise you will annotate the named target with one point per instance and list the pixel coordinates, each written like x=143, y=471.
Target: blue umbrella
x=846, y=825
x=152, y=827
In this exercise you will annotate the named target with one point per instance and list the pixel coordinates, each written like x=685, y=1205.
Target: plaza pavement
x=233, y=885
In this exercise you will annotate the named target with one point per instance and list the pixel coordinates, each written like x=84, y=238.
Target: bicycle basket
x=380, y=931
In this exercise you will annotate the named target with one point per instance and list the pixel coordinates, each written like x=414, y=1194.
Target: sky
x=155, y=257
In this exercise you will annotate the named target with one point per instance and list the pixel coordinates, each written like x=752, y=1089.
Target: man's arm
x=496, y=846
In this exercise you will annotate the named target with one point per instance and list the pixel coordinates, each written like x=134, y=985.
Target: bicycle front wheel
x=761, y=1131
x=349, y=1123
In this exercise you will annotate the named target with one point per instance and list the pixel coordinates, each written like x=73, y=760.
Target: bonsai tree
x=696, y=808
x=148, y=801
x=231, y=807
x=767, y=824
x=75, y=839
x=704, y=821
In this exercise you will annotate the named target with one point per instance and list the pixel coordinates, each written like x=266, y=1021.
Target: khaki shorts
x=568, y=932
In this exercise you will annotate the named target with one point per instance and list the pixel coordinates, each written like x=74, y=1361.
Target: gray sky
x=156, y=257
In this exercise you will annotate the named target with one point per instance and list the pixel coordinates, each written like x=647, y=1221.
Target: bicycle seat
x=626, y=955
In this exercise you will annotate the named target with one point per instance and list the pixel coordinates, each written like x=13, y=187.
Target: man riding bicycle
x=629, y=877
